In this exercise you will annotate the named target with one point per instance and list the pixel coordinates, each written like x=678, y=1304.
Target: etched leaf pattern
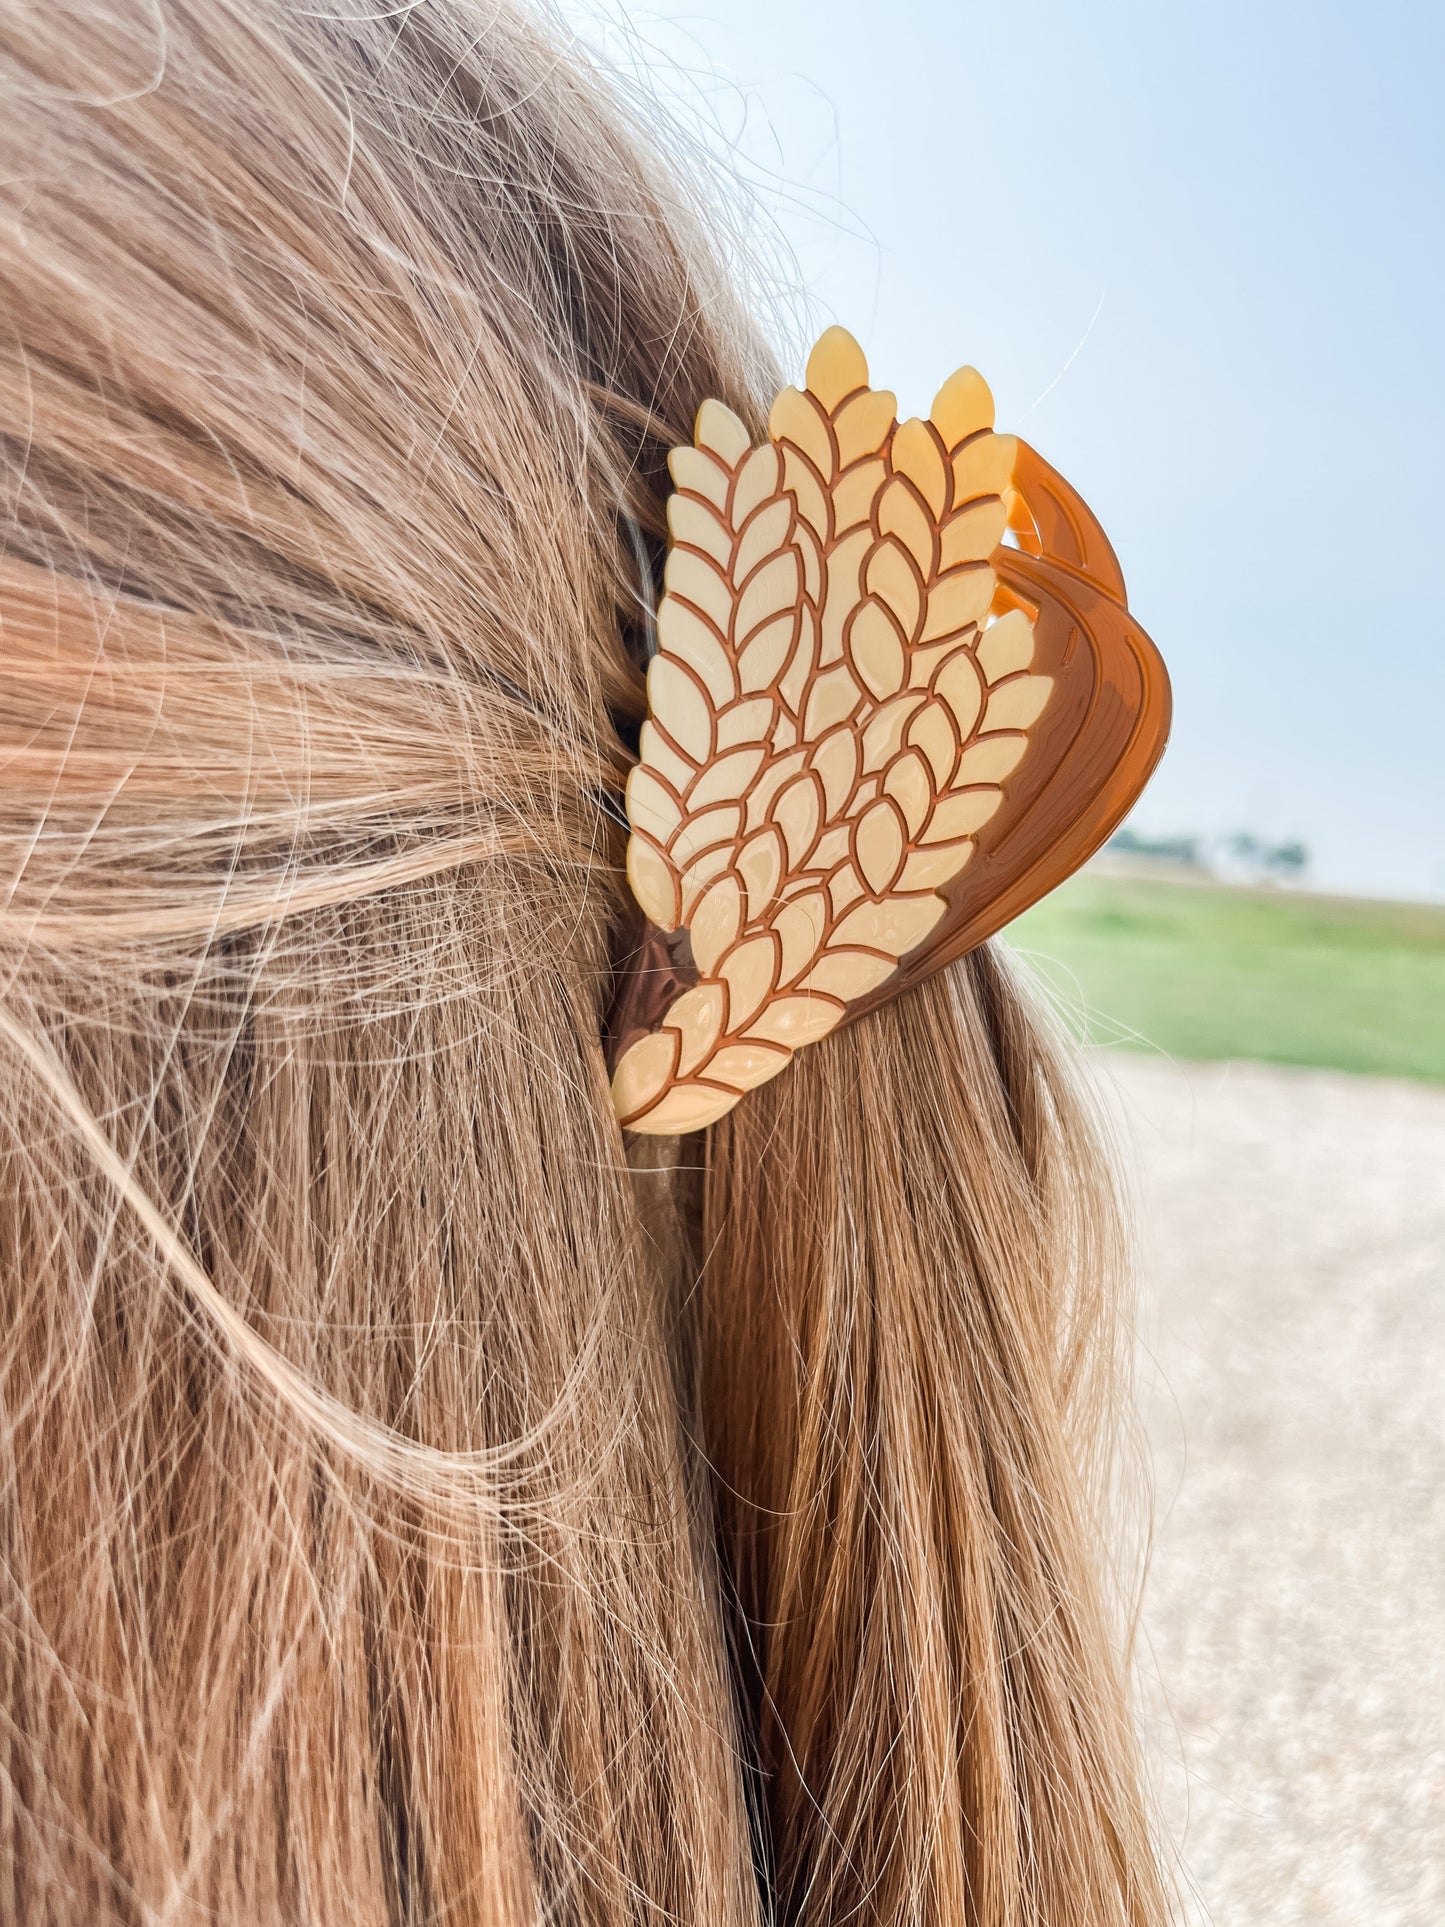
x=832, y=716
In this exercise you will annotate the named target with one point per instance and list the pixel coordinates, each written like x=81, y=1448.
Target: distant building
x=1240, y=857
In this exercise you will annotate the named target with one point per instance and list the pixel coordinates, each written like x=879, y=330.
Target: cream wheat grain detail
x=836, y=708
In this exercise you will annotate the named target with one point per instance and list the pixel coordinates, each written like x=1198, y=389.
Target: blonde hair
x=410, y=1511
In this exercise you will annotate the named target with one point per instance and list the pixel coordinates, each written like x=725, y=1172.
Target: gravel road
x=1293, y=1231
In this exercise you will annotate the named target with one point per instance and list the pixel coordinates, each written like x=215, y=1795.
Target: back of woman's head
x=409, y=1510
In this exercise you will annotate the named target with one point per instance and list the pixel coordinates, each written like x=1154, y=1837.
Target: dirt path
x=1294, y=1230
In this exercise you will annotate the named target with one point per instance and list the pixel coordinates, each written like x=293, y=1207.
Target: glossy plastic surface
x=878, y=727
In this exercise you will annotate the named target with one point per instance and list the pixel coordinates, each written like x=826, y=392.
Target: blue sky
x=1200, y=256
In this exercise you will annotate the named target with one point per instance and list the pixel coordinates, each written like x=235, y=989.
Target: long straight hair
x=411, y=1510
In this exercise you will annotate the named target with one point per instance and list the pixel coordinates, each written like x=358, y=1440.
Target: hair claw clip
x=897, y=697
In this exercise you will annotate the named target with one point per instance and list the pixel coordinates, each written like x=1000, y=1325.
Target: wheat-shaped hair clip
x=897, y=696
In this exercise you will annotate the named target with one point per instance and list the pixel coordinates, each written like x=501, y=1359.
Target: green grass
x=1197, y=970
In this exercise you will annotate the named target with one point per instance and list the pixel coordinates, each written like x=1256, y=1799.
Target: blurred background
x=1199, y=253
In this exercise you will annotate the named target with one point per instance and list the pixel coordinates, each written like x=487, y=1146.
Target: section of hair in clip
x=897, y=697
